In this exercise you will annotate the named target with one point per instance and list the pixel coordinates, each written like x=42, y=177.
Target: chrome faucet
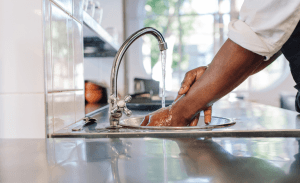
x=116, y=105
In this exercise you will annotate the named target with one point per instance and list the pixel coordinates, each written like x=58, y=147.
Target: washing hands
x=168, y=116
x=203, y=86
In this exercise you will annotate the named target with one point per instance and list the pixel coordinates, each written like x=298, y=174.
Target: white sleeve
x=265, y=25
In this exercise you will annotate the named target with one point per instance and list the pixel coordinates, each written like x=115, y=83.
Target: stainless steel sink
x=216, y=122
x=147, y=105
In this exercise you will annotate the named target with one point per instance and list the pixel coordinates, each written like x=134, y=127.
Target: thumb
x=207, y=115
x=145, y=121
x=195, y=120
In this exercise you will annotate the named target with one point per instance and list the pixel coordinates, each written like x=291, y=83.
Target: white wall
x=41, y=67
x=22, y=98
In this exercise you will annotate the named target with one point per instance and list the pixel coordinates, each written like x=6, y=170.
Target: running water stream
x=163, y=66
x=163, y=104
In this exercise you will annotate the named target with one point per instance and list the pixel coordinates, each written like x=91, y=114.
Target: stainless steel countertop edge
x=183, y=134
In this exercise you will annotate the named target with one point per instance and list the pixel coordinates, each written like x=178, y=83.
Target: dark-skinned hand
x=164, y=116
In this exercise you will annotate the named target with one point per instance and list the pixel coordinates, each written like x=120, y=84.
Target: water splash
x=163, y=66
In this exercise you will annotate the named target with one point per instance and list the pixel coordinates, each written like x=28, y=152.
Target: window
x=194, y=31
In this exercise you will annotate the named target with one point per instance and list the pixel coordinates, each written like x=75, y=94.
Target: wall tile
x=62, y=54
x=47, y=44
x=63, y=109
x=22, y=116
x=78, y=56
x=21, y=47
x=79, y=105
x=78, y=9
x=71, y=50
x=50, y=118
x=67, y=5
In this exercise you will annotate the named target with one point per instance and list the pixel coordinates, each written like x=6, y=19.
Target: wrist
x=181, y=112
x=178, y=117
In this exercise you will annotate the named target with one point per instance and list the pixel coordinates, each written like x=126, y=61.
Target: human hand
x=189, y=79
x=163, y=117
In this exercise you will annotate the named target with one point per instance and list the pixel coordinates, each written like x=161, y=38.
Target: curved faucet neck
x=118, y=58
x=121, y=52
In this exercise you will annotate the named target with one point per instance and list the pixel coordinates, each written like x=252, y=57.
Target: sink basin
x=216, y=122
x=147, y=105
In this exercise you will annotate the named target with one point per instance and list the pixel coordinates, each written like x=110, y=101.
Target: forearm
x=230, y=67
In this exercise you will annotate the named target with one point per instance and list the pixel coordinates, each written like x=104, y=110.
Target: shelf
x=97, y=42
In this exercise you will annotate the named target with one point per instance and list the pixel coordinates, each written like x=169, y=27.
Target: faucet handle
x=120, y=104
x=127, y=111
x=127, y=98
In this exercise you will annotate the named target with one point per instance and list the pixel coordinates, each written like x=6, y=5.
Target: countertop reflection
x=150, y=160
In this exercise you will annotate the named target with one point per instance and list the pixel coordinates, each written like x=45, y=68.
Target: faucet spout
x=115, y=109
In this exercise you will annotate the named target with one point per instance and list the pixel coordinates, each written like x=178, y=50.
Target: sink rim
x=230, y=123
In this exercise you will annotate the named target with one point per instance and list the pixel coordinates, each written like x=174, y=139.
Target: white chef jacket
x=265, y=25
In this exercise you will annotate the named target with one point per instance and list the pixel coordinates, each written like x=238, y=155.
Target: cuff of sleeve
x=240, y=33
x=297, y=86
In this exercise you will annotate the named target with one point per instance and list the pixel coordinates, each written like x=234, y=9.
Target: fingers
x=145, y=121
x=188, y=80
x=195, y=120
x=207, y=115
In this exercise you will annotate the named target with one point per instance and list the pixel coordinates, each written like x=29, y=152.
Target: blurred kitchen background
x=194, y=31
